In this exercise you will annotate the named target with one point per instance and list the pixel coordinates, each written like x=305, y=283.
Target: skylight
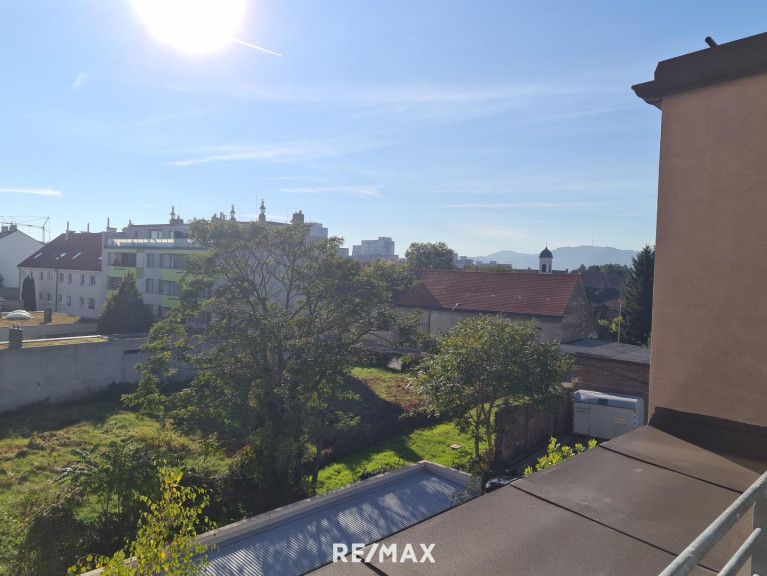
x=38, y=255
x=76, y=255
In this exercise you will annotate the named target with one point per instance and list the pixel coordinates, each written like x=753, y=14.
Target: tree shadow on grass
x=45, y=417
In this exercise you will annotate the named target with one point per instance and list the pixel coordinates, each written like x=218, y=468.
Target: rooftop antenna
x=710, y=41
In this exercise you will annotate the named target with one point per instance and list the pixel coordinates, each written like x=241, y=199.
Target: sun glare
x=192, y=25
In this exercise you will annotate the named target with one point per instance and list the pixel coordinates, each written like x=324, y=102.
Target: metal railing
x=755, y=546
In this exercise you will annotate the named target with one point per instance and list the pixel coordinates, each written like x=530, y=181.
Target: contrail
x=249, y=45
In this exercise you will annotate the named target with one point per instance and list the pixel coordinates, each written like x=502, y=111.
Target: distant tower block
x=544, y=261
x=262, y=215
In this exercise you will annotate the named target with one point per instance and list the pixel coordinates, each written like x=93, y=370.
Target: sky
x=491, y=125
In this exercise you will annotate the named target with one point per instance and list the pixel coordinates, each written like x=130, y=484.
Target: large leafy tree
x=636, y=324
x=285, y=312
x=484, y=360
x=430, y=256
x=28, y=294
x=124, y=310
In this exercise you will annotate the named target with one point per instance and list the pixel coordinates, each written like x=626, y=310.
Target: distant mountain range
x=564, y=258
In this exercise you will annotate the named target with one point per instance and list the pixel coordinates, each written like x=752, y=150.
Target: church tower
x=544, y=261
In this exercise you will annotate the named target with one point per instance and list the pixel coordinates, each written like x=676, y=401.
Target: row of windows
x=128, y=259
x=68, y=277
x=91, y=301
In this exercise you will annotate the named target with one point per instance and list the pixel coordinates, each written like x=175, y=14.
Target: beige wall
x=709, y=339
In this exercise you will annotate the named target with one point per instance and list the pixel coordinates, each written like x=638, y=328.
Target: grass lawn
x=389, y=385
x=37, y=441
x=56, y=318
x=431, y=443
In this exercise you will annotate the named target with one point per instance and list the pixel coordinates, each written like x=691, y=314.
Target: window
x=122, y=259
x=69, y=300
x=61, y=298
x=150, y=261
x=61, y=277
x=82, y=302
x=149, y=288
x=93, y=280
x=50, y=276
x=48, y=296
x=41, y=294
x=91, y=303
x=69, y=278
x=41, y=276
x=166, y=261
x=82, y=279
x=113, y=282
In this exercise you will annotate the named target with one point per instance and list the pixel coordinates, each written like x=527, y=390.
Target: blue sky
x=488, y=125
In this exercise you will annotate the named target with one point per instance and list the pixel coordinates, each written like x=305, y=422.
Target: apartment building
x=369, y=250
x=67, y=274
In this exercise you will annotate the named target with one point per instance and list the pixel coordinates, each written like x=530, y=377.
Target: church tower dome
x=544, y=261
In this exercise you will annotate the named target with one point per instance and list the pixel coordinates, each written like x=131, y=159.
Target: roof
x=81, y=251
x=608, y=350
x=627, y=507
x=720, y=63
x=298, y=538
x=510, y=292
x=546, y=253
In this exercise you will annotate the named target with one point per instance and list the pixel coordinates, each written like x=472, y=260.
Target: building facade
x=369, y=250
x=15, y=246
x=67, y=272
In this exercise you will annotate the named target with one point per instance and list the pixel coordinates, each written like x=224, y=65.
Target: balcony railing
x=754, y=547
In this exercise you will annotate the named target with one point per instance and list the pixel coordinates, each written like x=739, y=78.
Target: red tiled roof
x=81, y=251
x=511, y=292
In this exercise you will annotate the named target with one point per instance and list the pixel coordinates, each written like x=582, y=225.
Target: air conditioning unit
x=606, y=416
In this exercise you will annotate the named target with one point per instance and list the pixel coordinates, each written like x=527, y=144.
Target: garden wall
x=52, y=331
x=65, y=372
x=519, y=429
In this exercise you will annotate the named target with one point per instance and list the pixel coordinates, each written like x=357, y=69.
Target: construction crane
x=19, y=221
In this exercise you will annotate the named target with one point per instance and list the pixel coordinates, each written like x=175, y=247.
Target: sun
x=192, y=25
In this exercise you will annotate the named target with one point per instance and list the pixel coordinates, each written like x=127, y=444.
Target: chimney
x=12, y=228
x=298, y=217
x=68, y=233
x=4, y=229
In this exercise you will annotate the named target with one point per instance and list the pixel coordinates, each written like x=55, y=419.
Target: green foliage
x=124, y=310
x=286, y=313
x=556, y=453
x=637, y=294
x=114, y=476
x=430, y=256
x=28, y=294
x=482, y=361
x=166, y=540
x=370, y=357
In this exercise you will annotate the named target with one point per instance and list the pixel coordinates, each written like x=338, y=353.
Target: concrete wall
x=52, y=331
x=709, y=312
x=612, y=376
x=66, y=372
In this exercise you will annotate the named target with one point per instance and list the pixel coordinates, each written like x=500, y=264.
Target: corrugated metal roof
x=510, y=292
x=304, y=542
x=608, y=350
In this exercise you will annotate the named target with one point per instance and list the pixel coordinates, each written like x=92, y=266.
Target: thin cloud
x=490, y=231
x=369, y=191
x=271, y=153
x=540, y=205
x=81, y=77
x=32, y=191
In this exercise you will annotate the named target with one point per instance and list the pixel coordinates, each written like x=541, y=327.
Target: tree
x=286, y=311
x=556, y=453
x=636, y=322
x=124, y=310
x=483, y=360
x=28, y=294
x=166, y=540
x=430, y=256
